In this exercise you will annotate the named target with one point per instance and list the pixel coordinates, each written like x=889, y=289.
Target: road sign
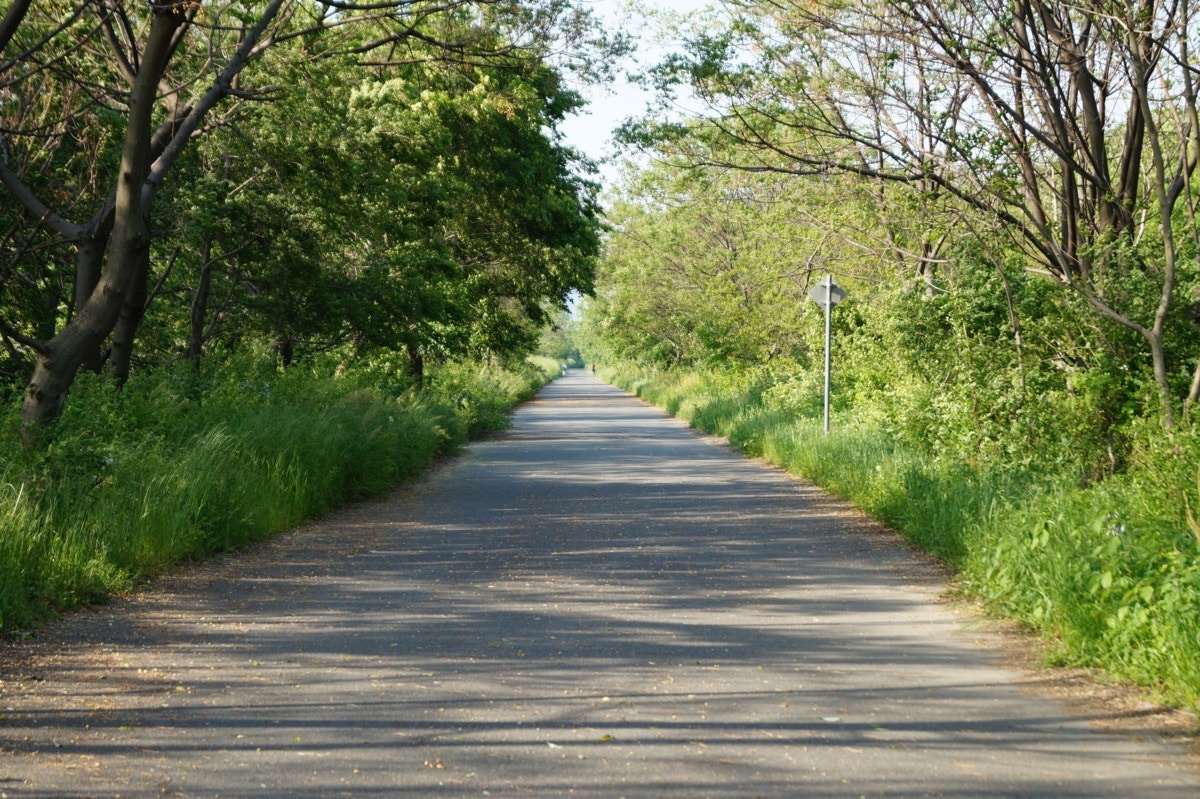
x=827, y=292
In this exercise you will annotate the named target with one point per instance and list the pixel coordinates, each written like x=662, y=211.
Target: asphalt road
x=596, y=603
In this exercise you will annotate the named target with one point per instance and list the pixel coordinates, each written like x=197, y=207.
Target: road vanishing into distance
x=596, y=603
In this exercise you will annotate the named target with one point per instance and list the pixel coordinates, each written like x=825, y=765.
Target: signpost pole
x=828, y=294
x=828, y=342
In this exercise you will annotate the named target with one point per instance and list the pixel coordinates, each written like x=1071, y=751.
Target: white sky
x=591, y=131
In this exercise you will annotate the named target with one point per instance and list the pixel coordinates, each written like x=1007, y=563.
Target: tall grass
x=1110, y=573
x=131, y=482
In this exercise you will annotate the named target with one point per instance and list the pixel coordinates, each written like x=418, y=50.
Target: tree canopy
x=1065, y=133
x=185, y=177
x=1007, y=190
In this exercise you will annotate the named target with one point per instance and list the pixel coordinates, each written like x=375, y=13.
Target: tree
x=159, y=74
x=1071, y=127
x=714, y=267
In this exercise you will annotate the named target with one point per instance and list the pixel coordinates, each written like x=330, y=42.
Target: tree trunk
x=198, y=310
x=416, y=363
x=284, y=349
x=1161, y=378
x=89, y=261
x=132, y=311
x=198, y=313
x=129, y=247
x=12, y=20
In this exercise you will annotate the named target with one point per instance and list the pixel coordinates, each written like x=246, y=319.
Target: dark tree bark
x=285, y=349
x=12, y=20
x=416, y=363
x=198, y=311
x=59, y=358
x=128, y=321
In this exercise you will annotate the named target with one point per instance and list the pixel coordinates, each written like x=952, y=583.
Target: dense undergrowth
x=176, y=466
x=1109, y=572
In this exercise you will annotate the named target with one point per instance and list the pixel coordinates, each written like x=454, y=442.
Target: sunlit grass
x=130, y=483
x=1109, y=573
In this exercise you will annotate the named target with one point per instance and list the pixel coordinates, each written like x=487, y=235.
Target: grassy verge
x=173, y=467
x=1109, y=573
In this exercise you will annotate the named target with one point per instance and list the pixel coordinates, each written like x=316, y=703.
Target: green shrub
x=178, y=465
x=1112, y=579
x=482, y=395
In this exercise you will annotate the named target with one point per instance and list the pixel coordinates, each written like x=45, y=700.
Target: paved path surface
x=598, y=603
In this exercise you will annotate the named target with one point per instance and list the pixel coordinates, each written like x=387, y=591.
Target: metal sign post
x=828, y=294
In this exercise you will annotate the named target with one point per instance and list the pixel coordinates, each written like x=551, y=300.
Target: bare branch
x=12, y=20
x=16, y=335
x=34, y=206
x=124, y=53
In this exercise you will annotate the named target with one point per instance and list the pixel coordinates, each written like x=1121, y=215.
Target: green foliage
x=975, y=361
x=131, y=482
x=399, y=186
x=482, y=395
x=1110, y=572
x=704, y=271
x=445, y=221
x=559, y=341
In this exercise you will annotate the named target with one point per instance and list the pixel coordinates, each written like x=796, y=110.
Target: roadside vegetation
x=258, y=260
x=131, y=482
x=1109, y=572
x=1009, y=196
